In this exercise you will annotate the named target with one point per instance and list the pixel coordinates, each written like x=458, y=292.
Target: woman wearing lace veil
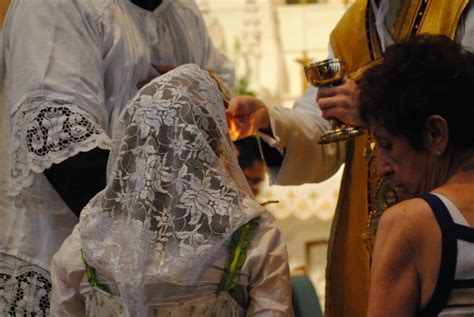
x=176, y=231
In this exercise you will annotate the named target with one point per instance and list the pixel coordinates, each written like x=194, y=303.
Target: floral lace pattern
x=175, y=192
x=24, y=288
x=45, y=133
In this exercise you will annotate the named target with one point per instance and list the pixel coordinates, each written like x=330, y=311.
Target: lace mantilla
x=45, y=133
x=24, y=288
x=175, y=193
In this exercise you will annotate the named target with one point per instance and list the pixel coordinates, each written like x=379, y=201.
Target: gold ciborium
x=331, y=72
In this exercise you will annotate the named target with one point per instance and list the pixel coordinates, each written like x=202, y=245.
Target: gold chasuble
x=364, y=196
x=3, y=11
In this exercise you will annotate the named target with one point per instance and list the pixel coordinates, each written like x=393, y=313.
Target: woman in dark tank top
x=417, y=104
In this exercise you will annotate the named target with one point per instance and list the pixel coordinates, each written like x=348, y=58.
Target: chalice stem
x=335, y=124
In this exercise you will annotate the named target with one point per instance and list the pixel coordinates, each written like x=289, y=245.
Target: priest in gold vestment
x=291, y=135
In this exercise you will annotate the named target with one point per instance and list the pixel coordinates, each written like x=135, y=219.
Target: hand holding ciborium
x=331, y=72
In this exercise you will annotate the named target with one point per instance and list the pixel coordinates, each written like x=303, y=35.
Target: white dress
x=264, y=282
x=67, y=70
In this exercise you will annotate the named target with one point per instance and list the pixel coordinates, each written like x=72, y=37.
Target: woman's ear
x=436, y=135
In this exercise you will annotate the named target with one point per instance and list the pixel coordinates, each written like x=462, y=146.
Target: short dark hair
x=248, y=151
x=423, y=76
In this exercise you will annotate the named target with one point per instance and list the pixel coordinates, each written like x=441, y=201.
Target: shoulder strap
x=447, y=267
x=440, y=211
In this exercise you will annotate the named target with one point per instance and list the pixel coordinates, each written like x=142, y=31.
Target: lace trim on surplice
x=24, y=288
x=45, y=133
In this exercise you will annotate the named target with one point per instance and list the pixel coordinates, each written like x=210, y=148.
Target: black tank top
x=454, y=291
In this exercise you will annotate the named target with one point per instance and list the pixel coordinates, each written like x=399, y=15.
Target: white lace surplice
x=69, y=68
x=61, y=101
x=24, y=288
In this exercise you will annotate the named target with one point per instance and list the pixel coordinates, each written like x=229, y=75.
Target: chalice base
x=340, y=134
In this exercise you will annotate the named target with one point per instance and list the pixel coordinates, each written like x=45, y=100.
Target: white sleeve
x=207, y=55
x=67, y=272
x=465, y=30
x=296, y=133
x=53, y=49
x=269, y=284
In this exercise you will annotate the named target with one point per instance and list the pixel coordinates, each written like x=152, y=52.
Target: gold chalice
x=326, y=73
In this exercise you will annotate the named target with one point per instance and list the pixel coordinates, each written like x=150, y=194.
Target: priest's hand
x=340, y=102
x=245, y=116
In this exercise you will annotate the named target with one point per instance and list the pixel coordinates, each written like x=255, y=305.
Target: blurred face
x=397, y=159
x=255, y=174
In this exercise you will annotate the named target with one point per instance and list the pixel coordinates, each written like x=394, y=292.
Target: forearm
x=295, y=133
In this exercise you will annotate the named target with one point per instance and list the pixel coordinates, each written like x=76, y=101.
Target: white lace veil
x=175, y=191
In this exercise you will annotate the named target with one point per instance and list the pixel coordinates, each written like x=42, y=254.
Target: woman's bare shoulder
x=407, y=212
x=412, y=220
